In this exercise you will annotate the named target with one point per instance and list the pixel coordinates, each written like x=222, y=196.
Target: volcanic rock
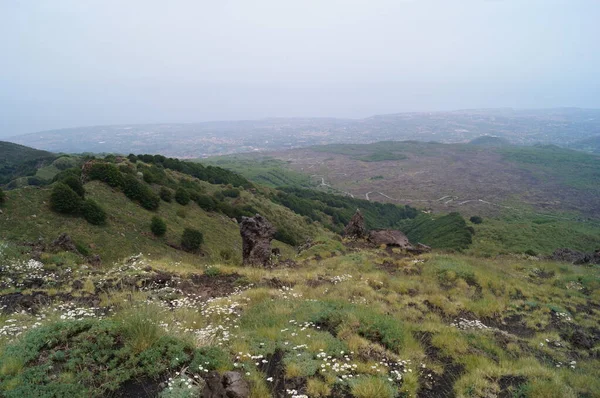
x=229, y=385
x=389, y=237
x=257, y=234
x=356, y=227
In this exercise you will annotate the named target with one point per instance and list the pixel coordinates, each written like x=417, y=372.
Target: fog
x=66, y=63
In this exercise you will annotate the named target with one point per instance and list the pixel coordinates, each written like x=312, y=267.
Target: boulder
x=257, y=234
x=65, y=243
x=228, y=385
x=389, y=237
x=356, y=227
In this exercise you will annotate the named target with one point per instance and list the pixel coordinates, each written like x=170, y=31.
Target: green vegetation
x=92, y=212
x=445, y=232
x=2, y=196
x=75, y=184
x=382, y=156
x=182, y=196
x=20, y=161
x=191, y=239
x=165, y=194
x=64, y=200
x=476, y=220
x=158, y=226
x=261, y=170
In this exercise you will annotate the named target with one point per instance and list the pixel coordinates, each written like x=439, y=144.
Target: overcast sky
x=66, y=63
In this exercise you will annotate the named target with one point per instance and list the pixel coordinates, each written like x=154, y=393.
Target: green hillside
x=331, y=318
x=21, y=161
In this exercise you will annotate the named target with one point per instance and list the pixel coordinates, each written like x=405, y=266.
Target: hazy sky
x=66, y=63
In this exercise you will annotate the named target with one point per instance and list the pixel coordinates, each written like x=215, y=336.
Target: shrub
x=106, y=172
x=206, y=203
x=231, y=192
x=285, y=237
x=476, y=220
x=136, y=190
x=165, y=194
x=191, y=239
x=182, y=196
x=75, y=184
x=213, y=271
x=93, y=213
x=2, y=196
x=158, y=226
x=64, y=200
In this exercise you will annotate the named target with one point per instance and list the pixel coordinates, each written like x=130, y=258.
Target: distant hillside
x=591, y=144
x=560, y=126
x=19, y=161
x=490, y=141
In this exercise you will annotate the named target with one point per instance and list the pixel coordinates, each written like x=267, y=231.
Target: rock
x=95, y=260
x=229, y=385
x=257, y=234
x=576, y=257
x=389, y=237
x=356, y=227
x=64, y=242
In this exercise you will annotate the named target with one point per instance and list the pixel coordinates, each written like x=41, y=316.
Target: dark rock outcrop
x=228, y=385
x=576, y=257
x=389, y=237
x=356, y=227
x=65, y=243
x=257, y=234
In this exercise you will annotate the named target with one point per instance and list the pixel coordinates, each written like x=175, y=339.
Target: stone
x=356, y=227
x=64, y=242
x=95, y=260
x=257, y=234
x=228, y=385
x=389, y=237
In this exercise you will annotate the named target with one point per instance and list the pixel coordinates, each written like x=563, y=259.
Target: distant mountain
x=561, y=127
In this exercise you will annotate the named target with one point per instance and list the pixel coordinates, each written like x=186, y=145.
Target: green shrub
x=93, y=213
x=285, y=237
x=64, y=200
x=138, y=191
x=106, y=172
x=231, y=192
x=165, y=194
x=75, y=184
x=182, y=196
x=476, y=220
x=2, y=196
x=213, y=271
x=158, y=226
x=191, y=239
x=206, y=202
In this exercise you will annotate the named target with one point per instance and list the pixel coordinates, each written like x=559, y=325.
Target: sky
x=68, y=63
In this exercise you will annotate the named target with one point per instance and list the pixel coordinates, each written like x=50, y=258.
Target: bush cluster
x=158, y=226
x=64, y=200
x=191, y=239
x=182, y=196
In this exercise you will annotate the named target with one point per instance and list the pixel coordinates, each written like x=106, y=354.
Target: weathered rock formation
x=389, y=237
x=576, y=257
x=64, y=242
x=356, y=227
x=229, y=385
x=257, y=234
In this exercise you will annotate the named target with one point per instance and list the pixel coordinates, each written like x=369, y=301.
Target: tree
x=64, y=200
x=182, y=196
x=75, y=184
x=476, y=220
x=158, y=226
x=93, y=213
x=191, y=239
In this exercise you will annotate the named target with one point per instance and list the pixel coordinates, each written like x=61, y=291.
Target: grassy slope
x=375, y=306
x=14, y=153
x=127, y=230
x=262, y=170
